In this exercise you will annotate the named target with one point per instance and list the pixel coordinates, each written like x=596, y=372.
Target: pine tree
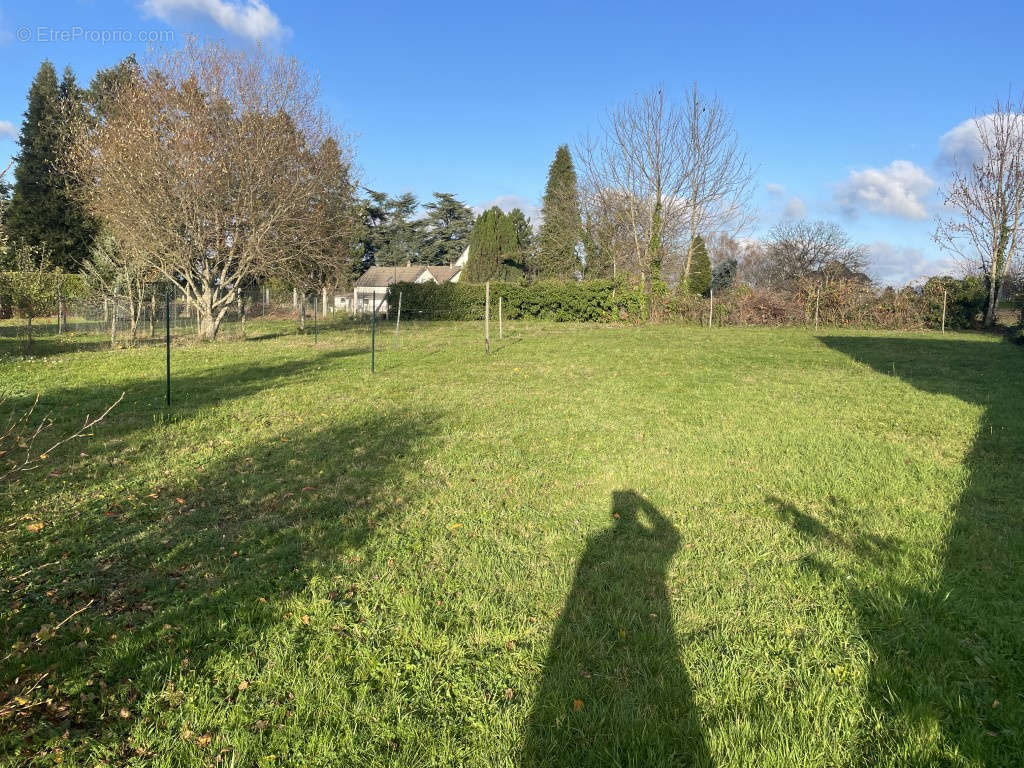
x=401, y=233
x=43, y=213
x=699, y=282
x=373, y=215
x=448, y=225
x=102, y=93
x=561, y=231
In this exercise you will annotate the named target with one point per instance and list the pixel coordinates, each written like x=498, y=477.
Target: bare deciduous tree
x=208, y=164
x=121, y=277
x=320, y=258
x=820, y=249
x=719, y=178
x=986, y=202
x=634, y=179
x=662, y=173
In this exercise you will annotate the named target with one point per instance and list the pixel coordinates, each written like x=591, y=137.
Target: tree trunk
x=134, y=315
x=207, y=321
x=990, y=310
x=207, y=325
x=60, y=313
x=241, y=312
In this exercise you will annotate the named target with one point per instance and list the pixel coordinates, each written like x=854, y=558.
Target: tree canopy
x=446, y=229
x=226, y=190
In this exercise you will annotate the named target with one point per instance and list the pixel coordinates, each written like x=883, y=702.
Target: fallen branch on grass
x=21, y=435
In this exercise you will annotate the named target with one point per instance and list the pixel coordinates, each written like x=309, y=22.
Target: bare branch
x=21, y=434
x=985, y=202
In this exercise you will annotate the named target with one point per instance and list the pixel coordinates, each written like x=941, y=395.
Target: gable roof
x=382, y=277
x=443, y=274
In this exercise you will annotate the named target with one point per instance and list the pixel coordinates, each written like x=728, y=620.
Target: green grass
x=653, y=546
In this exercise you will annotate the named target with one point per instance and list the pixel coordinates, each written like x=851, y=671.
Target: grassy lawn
x=655, y=546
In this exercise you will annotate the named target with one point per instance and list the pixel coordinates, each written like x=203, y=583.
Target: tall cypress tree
x=43, y=211
x=484, y=246
x=561, y=231
x=494, y=247
x=522, y=230
x=699, y=282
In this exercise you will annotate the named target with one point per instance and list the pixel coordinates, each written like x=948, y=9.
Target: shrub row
x=841, y=303
x=592, y=301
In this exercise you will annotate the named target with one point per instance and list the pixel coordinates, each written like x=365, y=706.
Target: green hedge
x=595, y=301
x=965, y=301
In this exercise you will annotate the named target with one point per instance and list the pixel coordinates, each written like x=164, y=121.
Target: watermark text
x=105, y=36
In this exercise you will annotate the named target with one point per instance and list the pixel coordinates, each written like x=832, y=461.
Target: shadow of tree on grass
x=614, y=691
x=947, y=658
x=199, y=571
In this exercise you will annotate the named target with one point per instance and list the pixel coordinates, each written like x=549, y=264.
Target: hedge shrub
x=840, y=303
x=590, y=301
x=965, y=301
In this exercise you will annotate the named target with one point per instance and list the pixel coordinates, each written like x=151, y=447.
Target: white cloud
x=795, y=208
x=249, y=19
x=961, y=144
x=8, y=130
x=896, y=190
x=508, y=202
x=898, y=265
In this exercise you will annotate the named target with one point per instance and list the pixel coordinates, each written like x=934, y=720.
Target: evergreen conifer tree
x=44, y=213
x=496, y=246
x=699, y=282
x=484, y=246
x=448, y=225
x=518, y=264
x=561, y=231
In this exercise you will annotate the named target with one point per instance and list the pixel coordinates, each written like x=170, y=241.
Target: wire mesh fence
x=120, y=321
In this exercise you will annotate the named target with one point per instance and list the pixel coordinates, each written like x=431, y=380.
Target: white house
x=371, y=288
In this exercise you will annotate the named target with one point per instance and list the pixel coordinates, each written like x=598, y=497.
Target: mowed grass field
x=597, y=546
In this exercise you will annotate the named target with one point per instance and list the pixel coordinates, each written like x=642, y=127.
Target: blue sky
x=842, y=107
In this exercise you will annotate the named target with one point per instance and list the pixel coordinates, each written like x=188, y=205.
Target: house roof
x=382, y=277
x=443, y=274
